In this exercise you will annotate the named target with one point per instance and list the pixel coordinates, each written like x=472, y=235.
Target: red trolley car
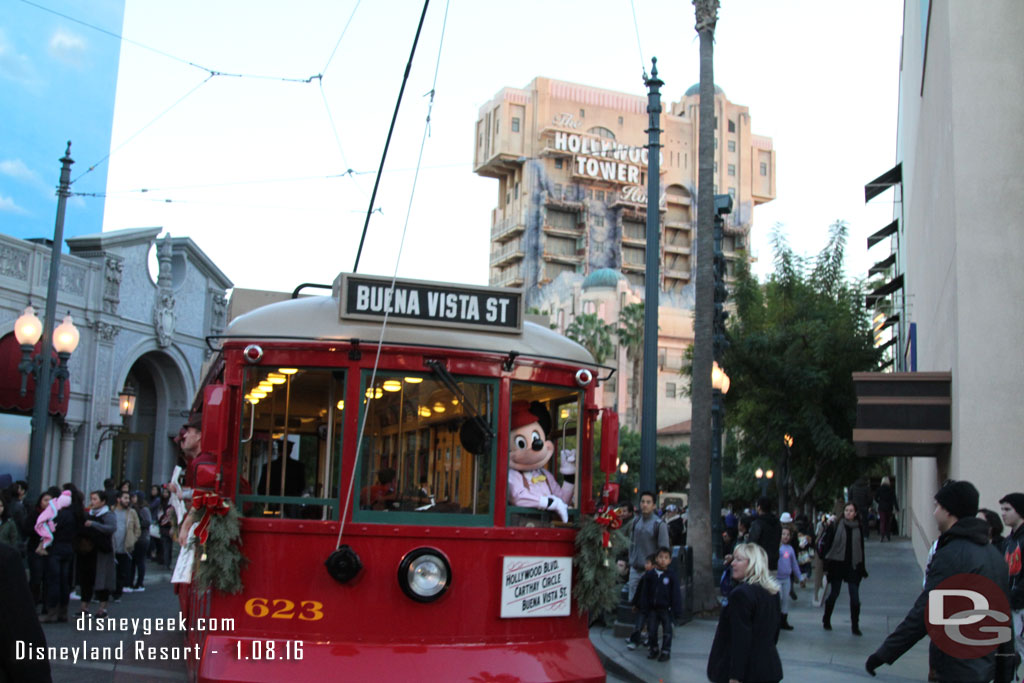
x=369, y=459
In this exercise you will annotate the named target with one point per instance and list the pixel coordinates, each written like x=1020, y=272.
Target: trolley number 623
x=279, y=608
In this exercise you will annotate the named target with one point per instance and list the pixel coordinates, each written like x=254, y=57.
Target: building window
x=716, y=142
x=716, y=167
x=517, y=191
x=599, y=221
x=583, y=113
x=508, y=198
x=714, y=189
x=764, y=168
x=600, y=195
x=497, y=123
x=732, y=169
x=515, y=124
x=670, y=390
x=732, y=193
x=558, y=190
x=732, y=143
x=590, y=193
x=662, y=357
x=732, y=126
x=558, y=163
x=620, y=120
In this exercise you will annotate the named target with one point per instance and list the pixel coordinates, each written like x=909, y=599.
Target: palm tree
x=631, y=336
x=593, y=333
x=706, y=12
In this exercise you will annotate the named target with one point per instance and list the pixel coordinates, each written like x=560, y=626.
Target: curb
x=612, y=666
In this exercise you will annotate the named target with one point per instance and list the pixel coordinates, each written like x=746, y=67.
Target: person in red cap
x=529, y=483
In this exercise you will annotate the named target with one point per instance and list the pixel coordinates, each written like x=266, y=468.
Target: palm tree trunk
x=700, y=436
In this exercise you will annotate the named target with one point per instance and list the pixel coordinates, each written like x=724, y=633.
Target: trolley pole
x=649, y=404
x=41, y=407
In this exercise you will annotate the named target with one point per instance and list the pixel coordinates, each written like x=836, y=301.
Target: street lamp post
x=762, y=478
x=719, y=387
x=40, y=409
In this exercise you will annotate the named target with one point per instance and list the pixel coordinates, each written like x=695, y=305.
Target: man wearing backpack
x=648, y=534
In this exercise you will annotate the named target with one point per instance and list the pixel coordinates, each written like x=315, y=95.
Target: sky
x=253, y=167
x=57, y=81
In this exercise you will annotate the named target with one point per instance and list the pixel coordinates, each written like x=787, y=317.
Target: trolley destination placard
x=431, y=303
x=536, y=587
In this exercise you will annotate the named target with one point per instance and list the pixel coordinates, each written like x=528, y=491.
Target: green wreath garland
x=598, y=543
x=220, y=559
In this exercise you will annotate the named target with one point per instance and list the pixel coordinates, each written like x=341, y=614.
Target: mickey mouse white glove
x=555, y=504
x=567, y=462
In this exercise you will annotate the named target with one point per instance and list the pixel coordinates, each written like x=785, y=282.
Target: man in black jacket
x=19, y=624
x=1012, y=507
x=766, y=531
x=963, y=548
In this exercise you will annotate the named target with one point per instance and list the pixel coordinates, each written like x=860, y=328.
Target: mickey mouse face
x=528, y=449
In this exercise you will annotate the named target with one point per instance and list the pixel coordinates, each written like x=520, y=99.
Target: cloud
x=15, y=66
x=16, y=168
x=68, y=48
x=9, y=206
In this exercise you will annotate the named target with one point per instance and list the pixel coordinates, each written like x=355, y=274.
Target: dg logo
x=968, y=616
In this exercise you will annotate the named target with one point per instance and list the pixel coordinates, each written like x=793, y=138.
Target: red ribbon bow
x=210, y=504
x=609, y=519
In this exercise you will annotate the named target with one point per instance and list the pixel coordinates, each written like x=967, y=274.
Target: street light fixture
x=762, y=478
x=126, y=408
x=27, y=330
x=719, y=388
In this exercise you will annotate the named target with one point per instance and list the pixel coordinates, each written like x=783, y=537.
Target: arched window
x=602, y=132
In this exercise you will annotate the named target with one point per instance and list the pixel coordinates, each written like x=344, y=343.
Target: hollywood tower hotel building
x=571, y=166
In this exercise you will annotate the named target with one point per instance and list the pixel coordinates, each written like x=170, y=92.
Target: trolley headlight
x=424, y=574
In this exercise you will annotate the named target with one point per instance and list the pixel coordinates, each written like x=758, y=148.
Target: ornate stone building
x=150, y=335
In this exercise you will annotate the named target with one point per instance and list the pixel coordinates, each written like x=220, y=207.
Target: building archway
x=144, y=453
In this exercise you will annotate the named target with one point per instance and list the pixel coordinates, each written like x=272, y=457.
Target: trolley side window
x=414, y=468
x=290, y=446
x=531, y=484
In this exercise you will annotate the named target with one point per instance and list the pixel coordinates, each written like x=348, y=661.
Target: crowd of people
x=767, y=555
x=89, y=547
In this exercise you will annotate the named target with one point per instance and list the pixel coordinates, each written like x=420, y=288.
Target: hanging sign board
x=417, y=302
x=536, y=587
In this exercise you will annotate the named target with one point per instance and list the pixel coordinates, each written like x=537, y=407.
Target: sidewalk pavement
x=157, y=601
x=809, y=653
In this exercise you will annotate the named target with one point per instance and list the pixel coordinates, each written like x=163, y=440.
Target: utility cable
x=394, y=278
x=136, y=133
x=391, y=130
x=636, y=27
x=337, y=44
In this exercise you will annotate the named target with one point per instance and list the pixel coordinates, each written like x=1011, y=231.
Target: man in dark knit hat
x=1012, y=508
x=963, y=547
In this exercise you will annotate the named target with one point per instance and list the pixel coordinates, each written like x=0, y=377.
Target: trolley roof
x=316, y=318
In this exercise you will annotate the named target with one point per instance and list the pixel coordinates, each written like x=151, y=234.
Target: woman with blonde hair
x=748, y=628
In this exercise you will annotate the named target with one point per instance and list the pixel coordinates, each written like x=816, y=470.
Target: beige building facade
x=570, y=222
x=959, y=243
x=571, y=166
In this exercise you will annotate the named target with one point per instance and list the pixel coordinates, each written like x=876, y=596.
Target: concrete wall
x=962, y=236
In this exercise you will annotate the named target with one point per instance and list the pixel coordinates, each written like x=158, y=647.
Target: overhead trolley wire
x=636, y=27
x=398, y=258
x=210, y=72
x=391, y=130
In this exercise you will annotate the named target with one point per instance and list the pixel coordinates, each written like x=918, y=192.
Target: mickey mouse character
x=529, y=483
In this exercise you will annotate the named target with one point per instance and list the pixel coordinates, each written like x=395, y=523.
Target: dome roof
x=695, y=90
x=603, y=277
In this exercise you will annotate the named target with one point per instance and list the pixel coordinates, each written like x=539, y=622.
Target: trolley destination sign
x=536, y=587
x=416, y=302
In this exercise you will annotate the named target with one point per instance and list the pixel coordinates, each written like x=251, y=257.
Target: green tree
x=631, y=336
x=671, y=473
x=699, y=537
x=794, y=343
x=593, y=333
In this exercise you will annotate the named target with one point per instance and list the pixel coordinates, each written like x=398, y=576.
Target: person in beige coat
x=128, y=531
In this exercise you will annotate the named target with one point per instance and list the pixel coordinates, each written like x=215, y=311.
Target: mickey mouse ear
x=474, y=437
